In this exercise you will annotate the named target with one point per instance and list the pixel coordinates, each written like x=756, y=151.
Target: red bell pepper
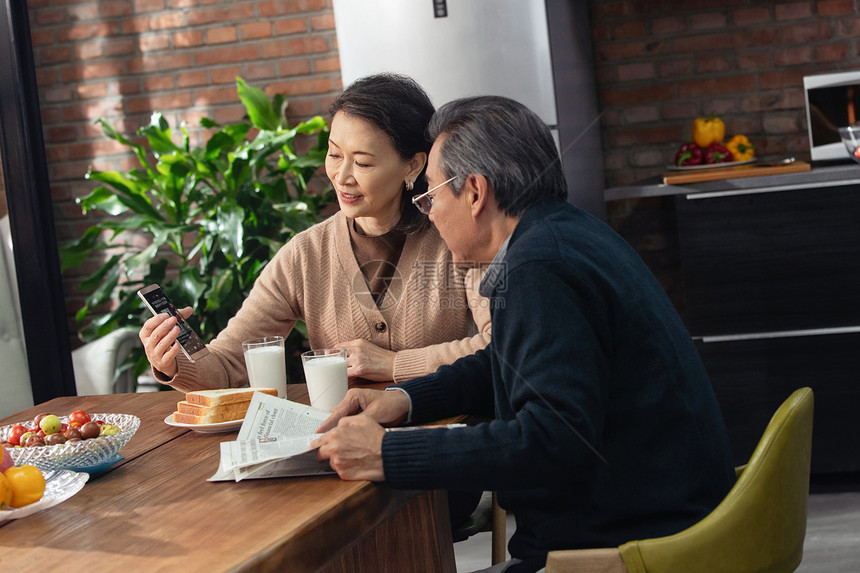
x=716, y=153
x=689, y=154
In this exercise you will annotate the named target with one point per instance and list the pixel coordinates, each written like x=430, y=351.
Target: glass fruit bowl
x=76, y=455
x=851, y=138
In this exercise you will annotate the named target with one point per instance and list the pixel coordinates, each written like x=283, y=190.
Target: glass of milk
x=325, y=373
x=266, y=363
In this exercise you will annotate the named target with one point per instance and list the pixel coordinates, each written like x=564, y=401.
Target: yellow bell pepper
x=741, y=148
x=708, y=130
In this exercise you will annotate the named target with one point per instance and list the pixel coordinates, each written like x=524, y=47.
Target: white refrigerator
x=529, y=50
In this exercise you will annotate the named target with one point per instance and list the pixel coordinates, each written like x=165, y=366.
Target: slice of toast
x=237, y=408
x=224, y=396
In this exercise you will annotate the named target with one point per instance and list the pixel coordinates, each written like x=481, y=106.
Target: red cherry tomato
x=79, y=417
x=15, y=434
x=100, y=422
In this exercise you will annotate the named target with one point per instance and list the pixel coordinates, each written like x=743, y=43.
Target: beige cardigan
x=428, y=316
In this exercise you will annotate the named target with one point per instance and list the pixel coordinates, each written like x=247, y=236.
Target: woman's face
x=368, y=173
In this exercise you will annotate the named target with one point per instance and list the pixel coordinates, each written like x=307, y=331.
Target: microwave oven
x=832, y=101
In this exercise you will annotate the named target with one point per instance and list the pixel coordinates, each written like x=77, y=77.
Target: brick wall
x=662, y=63
x=121, y=59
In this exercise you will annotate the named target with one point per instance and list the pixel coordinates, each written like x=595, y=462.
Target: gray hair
x=505, y=142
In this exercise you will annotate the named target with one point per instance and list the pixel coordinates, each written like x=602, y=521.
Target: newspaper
x=274, y=441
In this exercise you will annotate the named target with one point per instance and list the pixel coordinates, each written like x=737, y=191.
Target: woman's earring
x=409, y=185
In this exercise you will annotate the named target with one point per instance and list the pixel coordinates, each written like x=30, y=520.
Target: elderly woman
x=375, y=278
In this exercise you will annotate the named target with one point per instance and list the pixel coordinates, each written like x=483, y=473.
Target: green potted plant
x=200, y=221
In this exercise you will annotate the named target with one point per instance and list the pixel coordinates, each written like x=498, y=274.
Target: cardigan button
x=380, y=326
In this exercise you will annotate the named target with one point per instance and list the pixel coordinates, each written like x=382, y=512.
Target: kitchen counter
x=818, y=176
x=769, y=280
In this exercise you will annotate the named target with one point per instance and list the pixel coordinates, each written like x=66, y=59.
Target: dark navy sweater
x=604, y=426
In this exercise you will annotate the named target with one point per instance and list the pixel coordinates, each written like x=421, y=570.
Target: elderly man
x=604, y=426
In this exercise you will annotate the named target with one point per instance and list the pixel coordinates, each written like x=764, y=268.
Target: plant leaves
x=216, y=213
x=222, y=285
x=75, y=253
x=103, y=292
x=108, y=268
x=260, y=110
x=301, y=327
x=115, y=179
x=268, y=143
x=313, y=124
x=237, y=131
x=158, y=135
x=219, y=143
x=312, y=159
x=130, y=192
x=231, y=231
x=103, y=199
x=191, y=286
x=146, y=255
x=109, y=322
x=112, y=133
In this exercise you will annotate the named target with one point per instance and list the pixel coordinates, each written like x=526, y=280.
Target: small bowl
x=851, y=139
x=94, y=452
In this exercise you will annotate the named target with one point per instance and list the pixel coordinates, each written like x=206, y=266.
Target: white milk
x=326, y=378
x=266, y=368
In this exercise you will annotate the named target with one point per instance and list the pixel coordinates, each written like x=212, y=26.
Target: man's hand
x=367, y=360
x=385, y=408
x=354, y=448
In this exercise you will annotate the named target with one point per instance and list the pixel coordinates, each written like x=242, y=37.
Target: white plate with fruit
x=60, y=485
x=78, y=441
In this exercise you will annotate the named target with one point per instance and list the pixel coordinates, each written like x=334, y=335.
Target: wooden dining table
x=156, y=511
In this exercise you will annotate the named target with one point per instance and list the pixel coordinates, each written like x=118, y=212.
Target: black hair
x=400, y=108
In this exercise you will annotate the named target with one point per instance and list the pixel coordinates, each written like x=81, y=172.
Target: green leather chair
x=758, y=527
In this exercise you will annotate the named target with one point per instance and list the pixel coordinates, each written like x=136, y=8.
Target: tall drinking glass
x=325, y=373
x=266, y=363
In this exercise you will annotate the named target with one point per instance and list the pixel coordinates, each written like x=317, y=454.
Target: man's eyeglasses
x=424, y=202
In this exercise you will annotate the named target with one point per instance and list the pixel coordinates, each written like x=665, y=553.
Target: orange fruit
x=28, y=485
x=5, y=492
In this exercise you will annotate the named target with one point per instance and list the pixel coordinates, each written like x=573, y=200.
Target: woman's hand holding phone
x=158, y=336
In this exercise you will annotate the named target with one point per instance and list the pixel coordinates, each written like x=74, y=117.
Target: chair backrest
x=761, y=523
x=95, y=363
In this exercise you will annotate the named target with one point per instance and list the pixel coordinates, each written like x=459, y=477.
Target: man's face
x=450, y=214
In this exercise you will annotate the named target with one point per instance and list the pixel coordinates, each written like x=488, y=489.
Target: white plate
x=60, y=485
x=207, y=428
x=708, y=166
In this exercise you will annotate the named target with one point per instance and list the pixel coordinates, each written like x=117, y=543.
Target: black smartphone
x=189, y=341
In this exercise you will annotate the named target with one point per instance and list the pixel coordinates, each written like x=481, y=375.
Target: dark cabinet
x=777, y=261
x=752, y=377
x=772, y=285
